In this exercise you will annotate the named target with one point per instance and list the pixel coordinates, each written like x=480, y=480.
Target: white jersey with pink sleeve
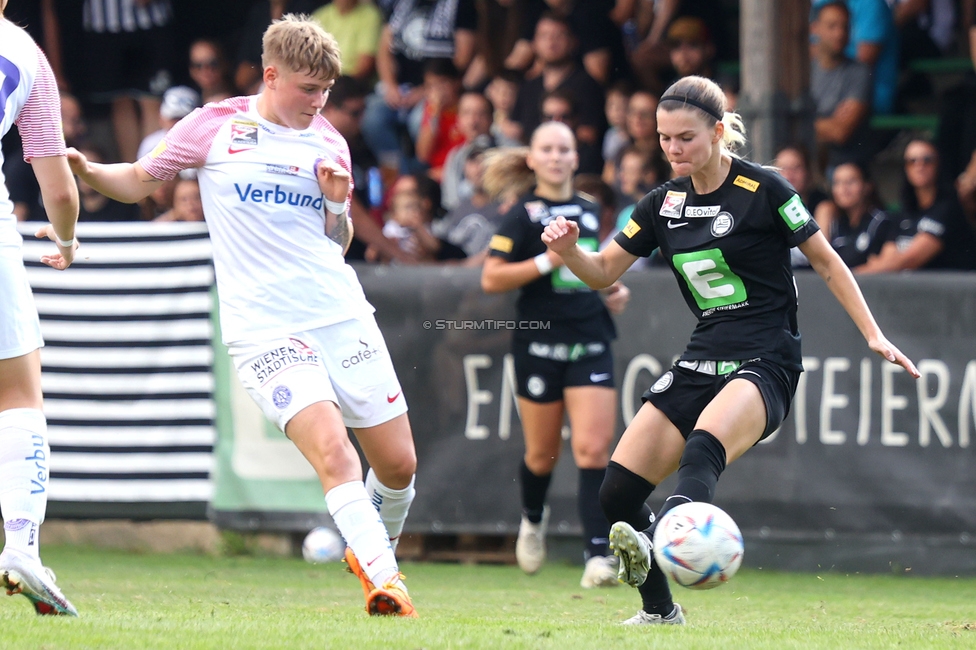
x=29, y=99
x=277, y=272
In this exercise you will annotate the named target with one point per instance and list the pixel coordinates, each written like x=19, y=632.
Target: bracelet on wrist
x=335, y=207
x=543, y=263
x=67, y=243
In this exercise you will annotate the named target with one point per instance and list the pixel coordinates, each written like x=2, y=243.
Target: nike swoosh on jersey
x=597, y=377
x=392, y=399
x=233, y=150
x=676, y=224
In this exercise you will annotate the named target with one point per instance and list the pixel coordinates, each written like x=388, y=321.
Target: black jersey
x=946, y=222
x=575, y=313
x=730, y=251
x=855, y=244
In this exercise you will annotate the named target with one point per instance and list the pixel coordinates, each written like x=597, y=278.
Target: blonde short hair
x=299, y=44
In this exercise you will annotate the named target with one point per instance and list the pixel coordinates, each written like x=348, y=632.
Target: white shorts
x=20, y=329
x=346, y=363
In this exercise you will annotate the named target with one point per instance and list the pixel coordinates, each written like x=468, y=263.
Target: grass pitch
x=183, y=601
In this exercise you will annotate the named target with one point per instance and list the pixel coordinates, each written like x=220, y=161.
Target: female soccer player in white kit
x=29, y=99
x=275, y=182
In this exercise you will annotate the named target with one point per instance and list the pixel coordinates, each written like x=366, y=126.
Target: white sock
x=24, y=455
x=392, y=505
x=361, y=527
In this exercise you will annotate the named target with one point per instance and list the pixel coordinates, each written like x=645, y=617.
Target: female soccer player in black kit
x=726, y=227
x=563, y=362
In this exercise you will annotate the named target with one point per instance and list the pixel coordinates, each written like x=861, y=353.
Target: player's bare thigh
x=542, y=426
x=319, y=433
x=651, y=446
x=592, y=418
x=736, y=417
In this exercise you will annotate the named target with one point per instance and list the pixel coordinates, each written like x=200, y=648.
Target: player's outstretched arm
x=125, y=182
x=597, y=270
x=829, y=266
x=60, y=194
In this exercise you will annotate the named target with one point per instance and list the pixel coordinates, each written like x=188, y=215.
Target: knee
x=591, y=451
x=623, y=493
x=541, y=462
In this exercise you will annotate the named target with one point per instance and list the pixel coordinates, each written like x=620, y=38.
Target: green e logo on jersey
x=794, y=213
x=710, y=279
x=563, y=278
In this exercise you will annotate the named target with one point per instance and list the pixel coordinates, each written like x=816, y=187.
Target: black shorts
x=682, y=393
x=544, y=369
x=129, y=63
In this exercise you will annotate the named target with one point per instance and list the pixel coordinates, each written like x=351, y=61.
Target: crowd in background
x=431, y=87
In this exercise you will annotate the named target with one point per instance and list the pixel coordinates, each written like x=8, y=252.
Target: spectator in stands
x=600, y=43
x=853, y=221
x=129, y=58
x=416, y=31
x=615, y=108
x=794, y=165
x=187, y=205
x=247, y=77
x=931, y=232
x=439, y=131
x=641, y=126
x=31, y=102
x=554, y=46
x=957, y=132
x=408, y=224
x=873, y=41
x=841, y=90
x=344, y=111
x=640, y=172
x=926, y=28
x=502, y=90
x=208, y=70
x=474, y=125
x=692, y=51
x=356, y=26
x=97, y=207
x=565, y=369
x=560, y=106
x=650, y=58
x=470, y=224
x=178, y=102
x=603, y=196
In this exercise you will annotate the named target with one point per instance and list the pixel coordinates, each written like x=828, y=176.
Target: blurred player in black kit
x=566, y=368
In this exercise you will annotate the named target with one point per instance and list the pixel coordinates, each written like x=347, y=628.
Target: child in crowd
x=502, y=92
x=616, y=138
x=187, y=205
x=439, y=132
x=637, y=176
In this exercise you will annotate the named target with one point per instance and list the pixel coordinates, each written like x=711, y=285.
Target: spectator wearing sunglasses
x=209, y=70
x=932, y=232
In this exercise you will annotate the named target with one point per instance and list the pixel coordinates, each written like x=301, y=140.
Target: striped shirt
x=116, y=16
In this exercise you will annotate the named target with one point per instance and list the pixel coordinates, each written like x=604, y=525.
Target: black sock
x=655, y=592
x=596, y=530
x=702, y=462
x=623, y=495
x=534, y=489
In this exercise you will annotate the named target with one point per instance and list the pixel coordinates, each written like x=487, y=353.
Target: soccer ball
x=698, y=545
x=323, y=545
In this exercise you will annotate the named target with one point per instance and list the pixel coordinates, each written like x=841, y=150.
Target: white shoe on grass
x=20, y=574
x=600, y=571
x=676, y=617
x=530, y=547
